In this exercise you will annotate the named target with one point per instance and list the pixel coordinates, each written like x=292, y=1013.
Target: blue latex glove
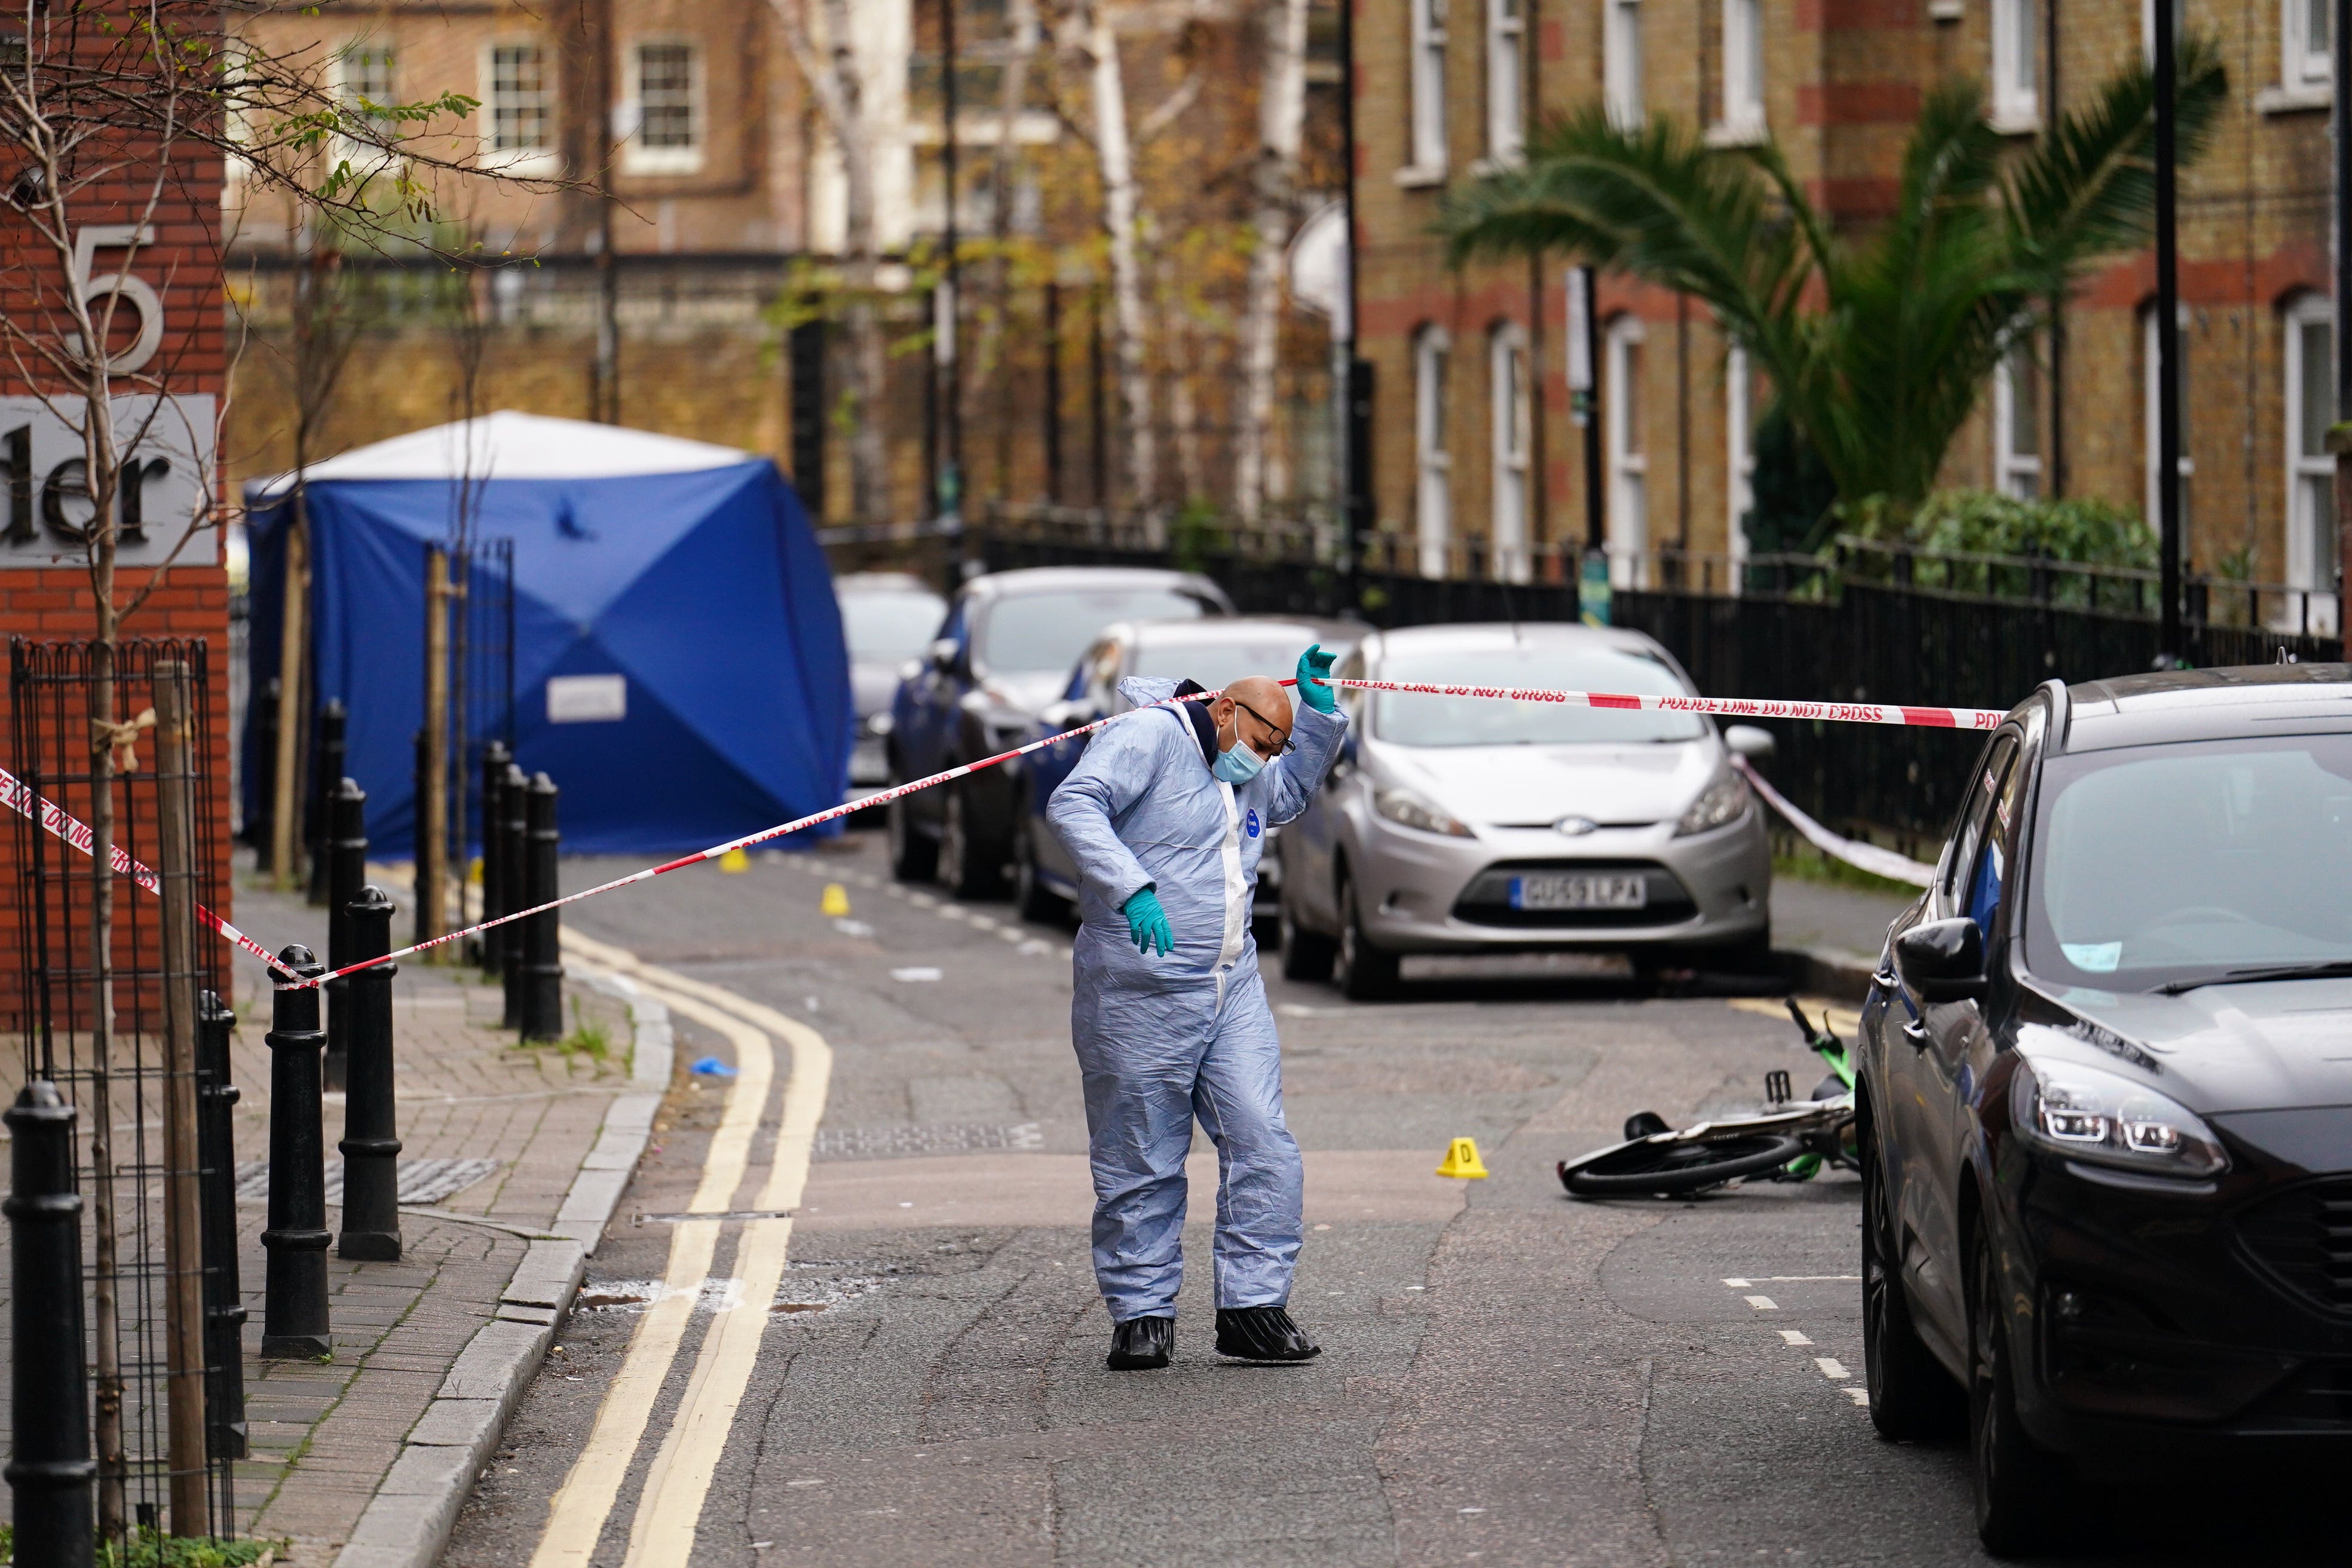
x=1147, y=923
x=1312, y=664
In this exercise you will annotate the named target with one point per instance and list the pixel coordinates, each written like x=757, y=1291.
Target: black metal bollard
x=294, y=1302
x=347, y=849
x=223, y=1300
x=49, y=1466
x=492, y=944
x=371, y=1143
x=327, y=766
x=514, y=827
x=265, y=746
x=542, y=964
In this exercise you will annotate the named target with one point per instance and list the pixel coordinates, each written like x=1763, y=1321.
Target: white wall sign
x=587, y=698
x=167, y=472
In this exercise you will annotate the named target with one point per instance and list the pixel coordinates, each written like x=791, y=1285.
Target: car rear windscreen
x=883, y=628
x=2154, y=864
x=1412, y=719
x=1028, y=633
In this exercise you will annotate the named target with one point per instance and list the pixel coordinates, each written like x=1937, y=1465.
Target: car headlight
x=1720, y=802
x=878, y=724
x=1408, y=809
x=2090, y=1113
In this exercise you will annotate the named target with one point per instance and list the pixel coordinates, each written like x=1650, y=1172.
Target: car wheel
x=965, y=870
x=914, y=856
x=1030, y=895
x=1306, y=954
x=2020, y=1485
x=1911, y=1396
x=1363, y=971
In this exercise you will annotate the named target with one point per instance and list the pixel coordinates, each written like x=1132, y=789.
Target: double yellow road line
x=661, y=1532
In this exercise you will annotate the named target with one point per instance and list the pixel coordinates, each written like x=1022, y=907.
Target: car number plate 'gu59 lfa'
x=1625, y=892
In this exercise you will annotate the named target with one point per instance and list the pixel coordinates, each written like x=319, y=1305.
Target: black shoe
x=1263, y=1333
x=1141, y=1344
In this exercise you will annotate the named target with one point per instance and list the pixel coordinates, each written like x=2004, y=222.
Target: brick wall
x=184, y=267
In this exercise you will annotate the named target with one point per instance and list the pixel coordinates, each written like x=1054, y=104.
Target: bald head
x=1254, y=711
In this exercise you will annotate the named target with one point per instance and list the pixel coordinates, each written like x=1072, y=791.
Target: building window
x=2306, y=36
x=1505, y=75
x=364, y=88
x=666, y=113
x=1629, y=458
x=2313, y=551
x=2016, y=64
x=1739, y=458
x=519, y=107
x=1428, y=127
x=2152, y=442
x=1743, y=68
x=1508, y=410
x=1432, y=353
x=1621, y=63
x=2017, y=423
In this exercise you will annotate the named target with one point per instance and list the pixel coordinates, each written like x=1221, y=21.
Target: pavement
x=907, y=1366
x=512, y=1158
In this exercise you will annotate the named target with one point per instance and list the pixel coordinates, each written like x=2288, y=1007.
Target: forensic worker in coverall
x=1165, y=817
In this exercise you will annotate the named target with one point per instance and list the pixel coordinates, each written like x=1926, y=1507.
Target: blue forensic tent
x=671, y=589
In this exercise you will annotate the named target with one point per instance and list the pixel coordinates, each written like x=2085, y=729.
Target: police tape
x=72, y=831
x=1870, y=857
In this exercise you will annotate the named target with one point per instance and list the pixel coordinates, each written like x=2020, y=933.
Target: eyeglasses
x=1288, y=745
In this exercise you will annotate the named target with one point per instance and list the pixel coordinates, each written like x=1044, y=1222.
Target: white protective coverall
x=1162, y=1038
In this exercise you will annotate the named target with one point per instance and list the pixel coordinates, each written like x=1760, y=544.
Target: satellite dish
x=1319, y=265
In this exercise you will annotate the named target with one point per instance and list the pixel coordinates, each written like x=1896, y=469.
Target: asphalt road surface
x=909, y=1370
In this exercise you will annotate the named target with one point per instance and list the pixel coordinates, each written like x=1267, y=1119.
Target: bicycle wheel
x=1669, y=1168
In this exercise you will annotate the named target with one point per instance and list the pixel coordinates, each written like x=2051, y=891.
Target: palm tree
x=1876, y=346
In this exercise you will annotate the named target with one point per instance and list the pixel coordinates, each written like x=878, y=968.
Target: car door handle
x=1916, y=1032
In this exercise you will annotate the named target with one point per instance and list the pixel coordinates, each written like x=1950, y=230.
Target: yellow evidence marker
x=835, y=904
x=1462, y=1160
x=735, y=860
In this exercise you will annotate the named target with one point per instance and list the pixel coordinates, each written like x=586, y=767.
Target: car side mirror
x=1943, y=961
x=1748, y=741
x=942, y=655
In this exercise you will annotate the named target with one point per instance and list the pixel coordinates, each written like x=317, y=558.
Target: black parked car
x=1003, y=652
x=2105, y=1097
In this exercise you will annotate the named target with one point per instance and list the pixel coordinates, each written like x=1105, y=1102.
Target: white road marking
x=1793, y=1337
x=1831, y=1368
x=1859, y=1395
x=1797, y=1279
x=916, y=974
x=1739, y=1284
x=1764, y=1303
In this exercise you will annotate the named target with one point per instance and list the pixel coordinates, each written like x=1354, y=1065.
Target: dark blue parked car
x=1003, y=653
x=1044, y=879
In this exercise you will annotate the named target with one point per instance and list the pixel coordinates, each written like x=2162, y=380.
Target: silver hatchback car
x=1454, y=826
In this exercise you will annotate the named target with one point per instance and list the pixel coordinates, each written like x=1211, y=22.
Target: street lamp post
x=946, y=306
x=1356, y=387
x=2167, y=343
x=2339, y=436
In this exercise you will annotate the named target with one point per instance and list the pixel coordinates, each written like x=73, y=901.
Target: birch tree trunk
x=836, y=82
x=1115, y=155
x=1281, y=118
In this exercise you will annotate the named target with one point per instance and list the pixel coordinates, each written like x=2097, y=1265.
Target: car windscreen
x=884, y=628
x=1414, y=718
x=1026, y=634
x=1216, y=666
x=2157, y=864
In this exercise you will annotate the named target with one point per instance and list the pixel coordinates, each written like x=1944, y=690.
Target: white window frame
x=350, y=88
x=1506, y=80
x=1629, y=469
x=1433, y=351
x=2306, y=62
x=2017, y=64
x=2149, y=437
x=2015, y=474
x=1743, y=70
x=520, y=159
x=2310, y=476
x=1510, y=419
x=1621, y=63
x=636, y=158
x=1426, y=129
x=1739, y=459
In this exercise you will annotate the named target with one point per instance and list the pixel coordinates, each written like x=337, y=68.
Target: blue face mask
x=1237, y=766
